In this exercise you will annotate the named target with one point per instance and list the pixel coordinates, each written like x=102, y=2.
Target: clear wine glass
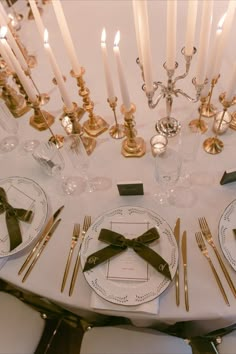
x=167, y=172
x=9, y=124
x=52, y=162
x=81, y=161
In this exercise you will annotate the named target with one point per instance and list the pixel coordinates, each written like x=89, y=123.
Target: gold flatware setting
x=184, y=257
x=47, y=228
x=40, y=250
x=86, y=225
x=75, y=237
x=176, y=234
x=208, y=236
x=202, y=246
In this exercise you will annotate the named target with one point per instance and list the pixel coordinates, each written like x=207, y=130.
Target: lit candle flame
x=103, y=37
x=3, y=32
x=117, y=39
x=221, y=23
x=46, y=36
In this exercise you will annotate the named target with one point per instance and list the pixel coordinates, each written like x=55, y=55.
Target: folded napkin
x=118, y=243
x=13, y=215
x=97, y=303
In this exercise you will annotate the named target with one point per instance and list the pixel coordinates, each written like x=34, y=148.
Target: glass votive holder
x=158, y=144
x=221, y=122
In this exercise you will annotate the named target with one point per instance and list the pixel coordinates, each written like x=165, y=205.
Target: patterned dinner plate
x=23, y=193
x=226, y=236
x=127, y=279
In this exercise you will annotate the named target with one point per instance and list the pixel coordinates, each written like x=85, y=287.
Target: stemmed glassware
x=81, y=161
x=9, y=124
x=52, y=162
x=167, y=172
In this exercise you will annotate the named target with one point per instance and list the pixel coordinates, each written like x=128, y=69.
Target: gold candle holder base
x=95, y=125
x=70, y=122
x=132, y=146
x=198, y=125
x=40, y=120
x=208, y=111
x=116, y=131
x=213, y=145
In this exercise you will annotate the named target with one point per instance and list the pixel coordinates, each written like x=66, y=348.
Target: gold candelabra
x=116, y=131
x=214, y=145
x=95, y=125
x=70, y=121
x=132, y=146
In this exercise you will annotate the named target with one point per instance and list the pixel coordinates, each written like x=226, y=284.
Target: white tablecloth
x=86, y=20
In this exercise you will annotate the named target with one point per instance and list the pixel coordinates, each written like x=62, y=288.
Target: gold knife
x=176, y=233
x=44, y=233
x=184, y=256
x=46, y=240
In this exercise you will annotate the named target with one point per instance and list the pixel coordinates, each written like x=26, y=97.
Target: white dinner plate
x=130, y=292
x=23, y=193
x=226, y=236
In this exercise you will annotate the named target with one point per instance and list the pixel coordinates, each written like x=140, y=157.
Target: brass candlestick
x=132, y=146
x=116, y=131
x=16, y=103
x=95, y=125
x=70, y=122
x=207, y=108
x=40, y=120
x=198, y=124
x=214, y=145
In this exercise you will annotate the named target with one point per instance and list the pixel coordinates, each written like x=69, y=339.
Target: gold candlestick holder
x=16, y=103
x=207, y=108
x=95, y=125
x=214, y=145
x=198, y=125
x=132, y=146
x=40, y=120
x=70, y=121
x=116, y=131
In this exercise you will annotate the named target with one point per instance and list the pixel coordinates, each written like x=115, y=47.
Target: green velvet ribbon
x=13, y=216
x=118, y=243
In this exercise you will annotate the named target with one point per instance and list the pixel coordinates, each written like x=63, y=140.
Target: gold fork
x=203, y=249
x=86, y=224
x=208, y=236
x=75, y=237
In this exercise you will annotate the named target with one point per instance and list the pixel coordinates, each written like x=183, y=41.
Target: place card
x=228, y=177
x=128, y=265
x=130, y=188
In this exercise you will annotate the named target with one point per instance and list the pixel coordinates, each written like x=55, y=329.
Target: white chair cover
x=21, y=327
x=130, y=340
